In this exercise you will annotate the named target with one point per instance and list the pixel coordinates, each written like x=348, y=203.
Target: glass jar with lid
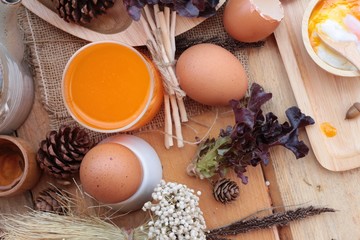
x=16, y=84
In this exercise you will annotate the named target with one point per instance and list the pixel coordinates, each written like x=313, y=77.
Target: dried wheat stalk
x=80, y=223
x=255, y=223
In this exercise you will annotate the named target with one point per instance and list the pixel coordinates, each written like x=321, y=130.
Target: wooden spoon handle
x=352, y=54
x=349, y=50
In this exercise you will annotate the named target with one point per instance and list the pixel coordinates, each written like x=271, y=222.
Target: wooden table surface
x=292, y=182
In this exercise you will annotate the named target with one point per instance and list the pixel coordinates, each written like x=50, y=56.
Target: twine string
x=162, y=66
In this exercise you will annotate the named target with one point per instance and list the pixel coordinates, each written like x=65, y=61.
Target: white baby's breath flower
x=176, y=213
x=147, y=205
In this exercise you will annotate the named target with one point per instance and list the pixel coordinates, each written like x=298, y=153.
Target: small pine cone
x=61, y=153
x=225, y=190
x=51, y=200
x=82, y=11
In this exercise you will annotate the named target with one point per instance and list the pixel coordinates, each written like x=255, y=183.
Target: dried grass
x=44, y=225
x=81, y=222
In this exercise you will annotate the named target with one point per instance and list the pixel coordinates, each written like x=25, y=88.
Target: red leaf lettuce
x=249, y=140
x=185, y=8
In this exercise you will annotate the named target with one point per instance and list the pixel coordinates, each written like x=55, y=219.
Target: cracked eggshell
x=252, y=20
x=211, y=75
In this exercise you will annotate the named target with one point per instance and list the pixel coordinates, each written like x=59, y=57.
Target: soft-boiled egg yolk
x=340, y=20
x=336, y=10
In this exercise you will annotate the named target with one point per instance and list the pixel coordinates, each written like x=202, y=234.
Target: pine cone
x=60, y=154
x=50, y=200
x=225, y=190
x=82, y=11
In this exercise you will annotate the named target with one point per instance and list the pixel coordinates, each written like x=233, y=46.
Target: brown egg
x=110, y=173
x=252, y=20
x=211, y=75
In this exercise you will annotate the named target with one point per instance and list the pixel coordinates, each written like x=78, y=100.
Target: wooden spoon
x=349, y=50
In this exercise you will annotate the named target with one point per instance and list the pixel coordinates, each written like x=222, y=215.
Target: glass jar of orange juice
x=111, y=87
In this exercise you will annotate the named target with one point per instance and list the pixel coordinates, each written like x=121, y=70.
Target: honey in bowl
x=19, y=170
x=111, y=87
x=11, y=167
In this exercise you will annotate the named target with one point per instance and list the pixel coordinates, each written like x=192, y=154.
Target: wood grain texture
x=33, y=130
x=19, y=203
x=304, y=181
x=292, y=182
x=117, y=26
x=320, y=94
x=253, y=197
x=272, y=75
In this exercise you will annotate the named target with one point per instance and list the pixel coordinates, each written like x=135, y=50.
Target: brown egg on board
x=110, y=173
x=211, y=75
x=252, y=20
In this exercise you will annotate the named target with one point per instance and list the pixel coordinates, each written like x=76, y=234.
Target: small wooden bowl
x=16, y=149
x=305, y=36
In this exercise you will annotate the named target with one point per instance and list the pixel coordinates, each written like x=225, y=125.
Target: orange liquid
x=10, y=166
x=109, y=86
x=328, y=129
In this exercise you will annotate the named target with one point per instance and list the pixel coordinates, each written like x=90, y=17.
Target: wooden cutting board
x=322, y=95
x=116, y=25
x=254, y=197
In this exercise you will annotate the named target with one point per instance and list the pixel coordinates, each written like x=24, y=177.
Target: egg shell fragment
x=252, y=20
x=211, y=75
x=110, y=173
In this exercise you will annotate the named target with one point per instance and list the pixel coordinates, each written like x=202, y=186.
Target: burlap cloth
x=50, y=49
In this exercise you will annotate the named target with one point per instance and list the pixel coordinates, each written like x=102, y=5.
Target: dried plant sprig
x=175, y=213
x=82, y=221
x=277, y=219
x=45, y=225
